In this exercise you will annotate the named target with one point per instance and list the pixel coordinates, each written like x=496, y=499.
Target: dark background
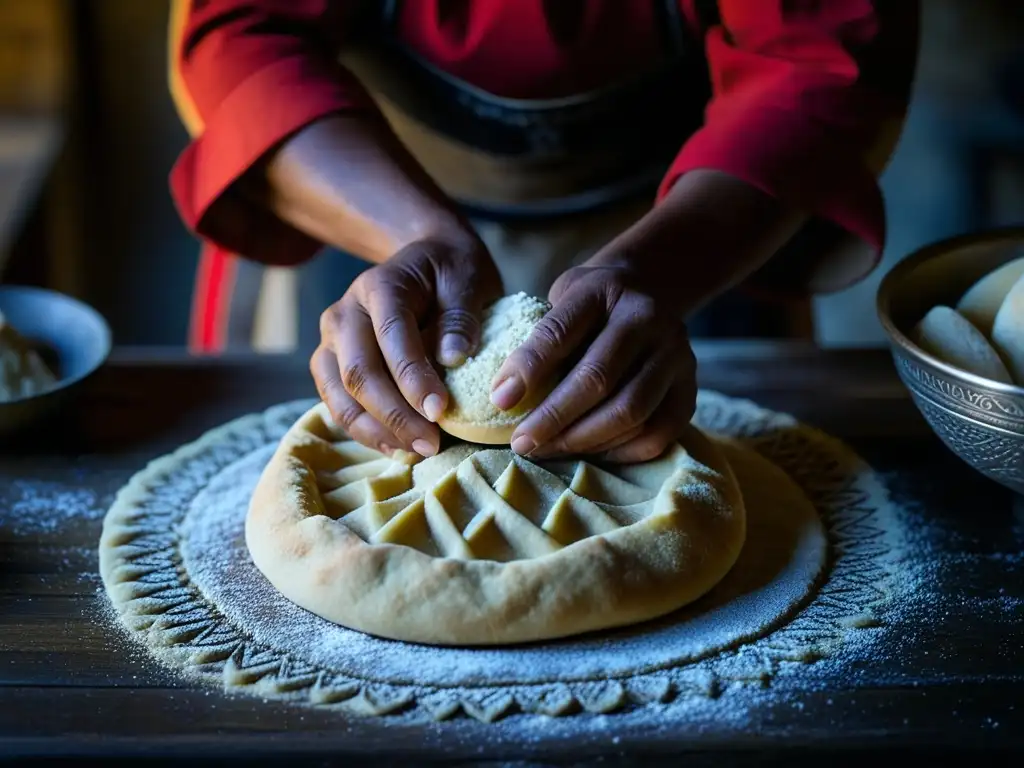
x=99, y=224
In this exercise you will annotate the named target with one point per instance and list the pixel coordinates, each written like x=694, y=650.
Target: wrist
x=349, y=182
x=709, y=233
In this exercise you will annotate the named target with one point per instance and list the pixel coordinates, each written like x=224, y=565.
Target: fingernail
x=508, y=393
x=433, y=406
x=423, y=448
x=454, y=350
x=523, y=445
x=544, y=451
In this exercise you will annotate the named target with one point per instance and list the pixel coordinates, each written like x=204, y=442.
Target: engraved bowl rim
x=896, y=279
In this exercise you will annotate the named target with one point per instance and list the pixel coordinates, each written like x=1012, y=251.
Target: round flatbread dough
x=1008, y=331
x=483, y=547
x=982, y=300
x=471, y=416
x=947, y=335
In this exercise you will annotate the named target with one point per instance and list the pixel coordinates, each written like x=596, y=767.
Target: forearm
x=349, y=182
x=710, y=233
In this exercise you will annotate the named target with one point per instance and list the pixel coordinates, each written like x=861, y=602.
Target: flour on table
x=33, y=507
x=175, y=567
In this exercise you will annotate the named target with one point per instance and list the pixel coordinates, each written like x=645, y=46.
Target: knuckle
x=354, y=376
x=644, y=310
x=365, y=279
x=527, y=360
x=346, y=415
x=552, y=415
x=318, y=362
x=330, y=319
x=411, y=373
x=391, y=325
x=593, y=378
x=396, y=421
x=459, y=320
x=551, y=331
x=629, y=411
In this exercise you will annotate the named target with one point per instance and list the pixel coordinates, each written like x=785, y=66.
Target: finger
x=627, y=410
x=367, y=381
x=622, y=439
x=552, y=340
x=593, y=379
x=346, y=412
x=664, y=428
x=400, y=342
x=460, y=303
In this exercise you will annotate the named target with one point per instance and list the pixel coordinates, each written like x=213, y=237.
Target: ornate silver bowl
x=981, y=421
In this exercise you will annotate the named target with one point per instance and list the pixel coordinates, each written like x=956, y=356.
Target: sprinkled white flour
x=175, y=566
x=40, y=507
x=776, y=571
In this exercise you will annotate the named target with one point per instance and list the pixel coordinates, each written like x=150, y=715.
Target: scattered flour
x=30, y=507
x=776, y=571
x=838, y=628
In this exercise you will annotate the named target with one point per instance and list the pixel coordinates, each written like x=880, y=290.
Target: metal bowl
x=980, y=420
x=74, y=334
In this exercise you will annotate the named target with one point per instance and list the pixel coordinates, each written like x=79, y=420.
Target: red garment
x=804, y=92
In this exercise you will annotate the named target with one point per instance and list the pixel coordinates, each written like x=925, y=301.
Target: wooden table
x=64, y=692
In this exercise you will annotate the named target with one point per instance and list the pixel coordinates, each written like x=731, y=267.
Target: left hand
x=633, y=390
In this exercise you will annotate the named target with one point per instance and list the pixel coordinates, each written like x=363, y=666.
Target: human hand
x=372, y=368
x=632, y=391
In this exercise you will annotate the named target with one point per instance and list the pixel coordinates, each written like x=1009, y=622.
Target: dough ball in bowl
x=23, y=373
x=981, y=302
x=1008, y=331
x=946, y=334
x=471, y=416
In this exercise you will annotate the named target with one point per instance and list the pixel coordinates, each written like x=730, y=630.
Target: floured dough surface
x=981, y=302
x=22, y=372
x=947, y=335
x=813, y=576
x=471, y=416
x=786, y=553
x=482, y=547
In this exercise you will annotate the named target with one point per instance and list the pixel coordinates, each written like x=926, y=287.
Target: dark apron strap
x=509, y=159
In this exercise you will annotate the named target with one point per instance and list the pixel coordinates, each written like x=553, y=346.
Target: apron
x=545, y=183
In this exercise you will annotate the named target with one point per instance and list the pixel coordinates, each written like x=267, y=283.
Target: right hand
x=372, y=369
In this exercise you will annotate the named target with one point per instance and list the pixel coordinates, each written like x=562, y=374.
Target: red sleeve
x=809, y=98
x=246, y=74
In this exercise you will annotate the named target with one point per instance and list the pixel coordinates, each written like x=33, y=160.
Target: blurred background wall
x=88, y=135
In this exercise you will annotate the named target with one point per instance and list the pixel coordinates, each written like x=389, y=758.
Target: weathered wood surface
x=66, y=690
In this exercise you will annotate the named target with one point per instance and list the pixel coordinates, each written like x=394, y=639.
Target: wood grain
x=71, y=686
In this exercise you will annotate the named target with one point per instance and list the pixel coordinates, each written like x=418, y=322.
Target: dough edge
x=636, y=573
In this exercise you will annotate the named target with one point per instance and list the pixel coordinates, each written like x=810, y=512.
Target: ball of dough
x=471, y=416
x=944, y=333
x=982, y=300
x=22, y=372
x=1008, y=331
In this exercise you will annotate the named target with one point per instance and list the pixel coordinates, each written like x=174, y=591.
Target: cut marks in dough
x=1008, y=331
x=981, y=302
x=471, y=416
x=950, y=337
x=483, y=547
x=22, y=372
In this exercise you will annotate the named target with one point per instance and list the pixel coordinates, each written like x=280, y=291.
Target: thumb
x=461, y=299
